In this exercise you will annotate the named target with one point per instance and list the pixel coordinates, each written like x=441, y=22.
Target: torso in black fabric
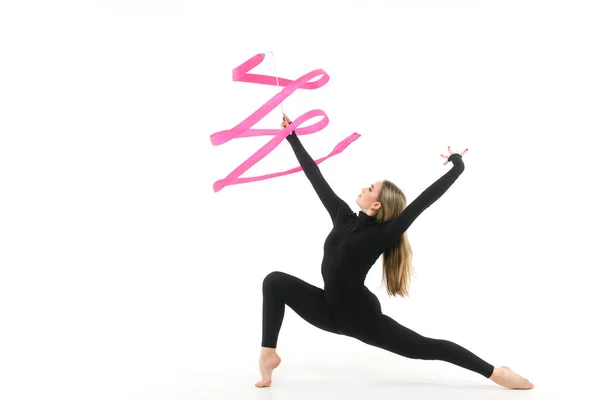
x=356, y=241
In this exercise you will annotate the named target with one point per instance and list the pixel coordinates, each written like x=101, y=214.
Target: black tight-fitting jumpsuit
x=345, y=306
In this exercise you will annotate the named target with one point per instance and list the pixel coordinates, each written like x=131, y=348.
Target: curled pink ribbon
x=244, y=128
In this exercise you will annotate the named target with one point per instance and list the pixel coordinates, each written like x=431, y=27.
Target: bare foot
x=268, y=361
x=506, y=377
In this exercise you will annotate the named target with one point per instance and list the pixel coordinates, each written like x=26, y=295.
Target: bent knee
x=272, y=279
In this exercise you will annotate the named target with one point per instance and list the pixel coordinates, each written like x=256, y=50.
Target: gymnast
x=345, y=306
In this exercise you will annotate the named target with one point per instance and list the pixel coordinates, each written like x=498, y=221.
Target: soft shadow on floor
x=329, y=376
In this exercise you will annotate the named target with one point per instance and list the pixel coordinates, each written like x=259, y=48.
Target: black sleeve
x=394, y=228
x=335, y=206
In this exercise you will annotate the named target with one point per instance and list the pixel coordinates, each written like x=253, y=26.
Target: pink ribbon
x=244, y=128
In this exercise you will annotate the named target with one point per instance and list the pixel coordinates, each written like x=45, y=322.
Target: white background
x=123, y=275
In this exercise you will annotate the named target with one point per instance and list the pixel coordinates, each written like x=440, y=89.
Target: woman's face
x=367, y=200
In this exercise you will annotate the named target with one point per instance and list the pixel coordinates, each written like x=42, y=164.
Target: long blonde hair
x=397, y=260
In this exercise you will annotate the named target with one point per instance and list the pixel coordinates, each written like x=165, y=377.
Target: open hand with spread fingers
x=451, y=152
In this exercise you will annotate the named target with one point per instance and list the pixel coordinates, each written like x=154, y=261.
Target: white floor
x=325, y=378
x=341, y=378
x=300, y=380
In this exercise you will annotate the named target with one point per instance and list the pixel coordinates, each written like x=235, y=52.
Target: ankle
x=267, y=351
x=499, y=372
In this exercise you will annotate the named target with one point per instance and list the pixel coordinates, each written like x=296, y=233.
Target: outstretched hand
x=451, y=152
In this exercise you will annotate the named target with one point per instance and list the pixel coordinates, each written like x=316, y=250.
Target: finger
x=449, y=149
x=464, y=151
x=445, y=156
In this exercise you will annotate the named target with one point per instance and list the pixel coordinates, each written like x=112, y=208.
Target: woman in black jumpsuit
x=345, y=306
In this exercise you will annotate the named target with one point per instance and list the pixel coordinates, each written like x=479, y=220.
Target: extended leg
x=387, y=334
x=306, y=300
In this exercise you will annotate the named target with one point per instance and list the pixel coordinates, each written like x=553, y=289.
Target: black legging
x=362, y=320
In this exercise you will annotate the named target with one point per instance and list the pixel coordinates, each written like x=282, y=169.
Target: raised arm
x=335, y=206
x=393, y=229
